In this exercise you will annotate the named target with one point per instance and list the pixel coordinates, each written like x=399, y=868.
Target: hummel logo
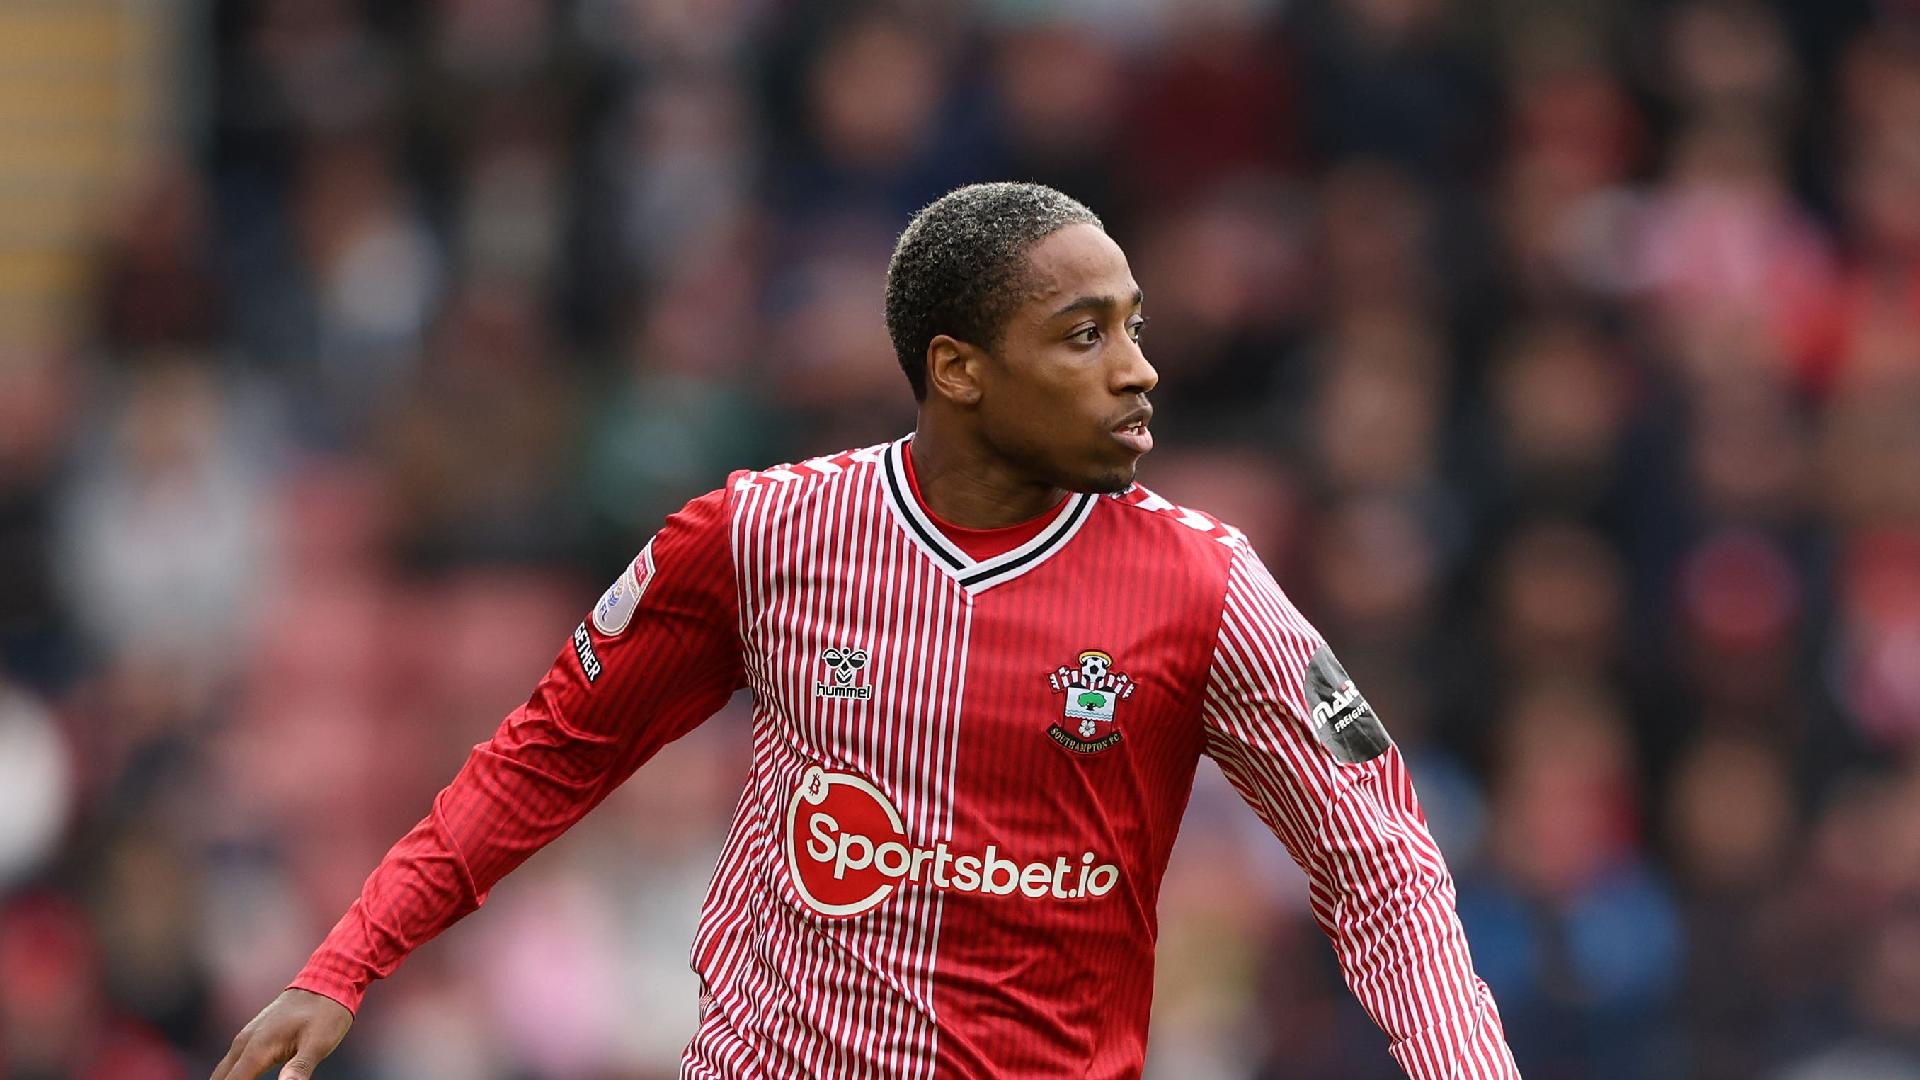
x=845, y=665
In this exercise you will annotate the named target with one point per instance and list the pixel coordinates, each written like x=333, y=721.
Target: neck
x=966, y=484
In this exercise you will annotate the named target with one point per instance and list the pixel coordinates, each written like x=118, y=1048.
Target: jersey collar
x=973, y=574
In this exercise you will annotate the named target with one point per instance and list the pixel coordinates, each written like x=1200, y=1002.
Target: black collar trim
x=975, y=575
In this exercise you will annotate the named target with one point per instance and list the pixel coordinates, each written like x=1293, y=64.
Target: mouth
x=1131, y=432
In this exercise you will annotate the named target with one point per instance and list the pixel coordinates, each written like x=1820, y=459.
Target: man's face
x=1064, y=395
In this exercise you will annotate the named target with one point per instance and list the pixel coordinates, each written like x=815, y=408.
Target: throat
x=988, y=541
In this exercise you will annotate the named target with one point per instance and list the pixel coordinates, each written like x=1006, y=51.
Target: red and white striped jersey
x=967, y=776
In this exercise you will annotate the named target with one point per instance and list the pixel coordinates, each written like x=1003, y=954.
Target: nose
x=1131, y=372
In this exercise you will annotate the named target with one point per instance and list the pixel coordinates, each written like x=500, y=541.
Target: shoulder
x=800, y=478
x=1176, y=547
x=1167, y=523
x=1237, y=576
x=708, y=518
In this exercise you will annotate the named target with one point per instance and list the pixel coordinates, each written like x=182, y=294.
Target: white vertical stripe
x=819, y=562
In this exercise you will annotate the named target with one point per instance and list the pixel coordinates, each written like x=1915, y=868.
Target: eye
x=1086, y=335
x=1137, y=326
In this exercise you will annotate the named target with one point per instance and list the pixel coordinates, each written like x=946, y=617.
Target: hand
x=298, y=1025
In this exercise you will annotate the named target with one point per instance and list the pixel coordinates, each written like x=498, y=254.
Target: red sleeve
x=1305, y=749
x=658, y=655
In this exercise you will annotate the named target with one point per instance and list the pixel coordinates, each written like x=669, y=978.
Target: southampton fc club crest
x=1092, y=689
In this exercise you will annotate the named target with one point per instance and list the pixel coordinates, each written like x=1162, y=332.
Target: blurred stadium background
x=1564, y=359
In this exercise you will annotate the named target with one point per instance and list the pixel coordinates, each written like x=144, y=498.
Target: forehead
x=1074, y=262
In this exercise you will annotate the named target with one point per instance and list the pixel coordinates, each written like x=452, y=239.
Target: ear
x=954, y=369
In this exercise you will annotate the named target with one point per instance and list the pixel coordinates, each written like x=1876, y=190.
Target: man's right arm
x=658, y=655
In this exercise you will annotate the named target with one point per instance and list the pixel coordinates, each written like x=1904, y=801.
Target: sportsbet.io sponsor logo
x=847, y=852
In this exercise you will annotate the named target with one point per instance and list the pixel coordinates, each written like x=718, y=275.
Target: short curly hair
x=960, y=266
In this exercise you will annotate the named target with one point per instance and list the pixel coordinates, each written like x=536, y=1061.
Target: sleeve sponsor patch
x=1342, y=720
x=615, y=609
x=583, y=648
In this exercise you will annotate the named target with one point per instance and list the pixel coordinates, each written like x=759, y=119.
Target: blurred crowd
x=1563, y=359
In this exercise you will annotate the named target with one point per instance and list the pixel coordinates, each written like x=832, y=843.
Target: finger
x=300, y=1067
x=253, y=1062
x=305, y=1058
x=221, y=1070
x=229, y=1067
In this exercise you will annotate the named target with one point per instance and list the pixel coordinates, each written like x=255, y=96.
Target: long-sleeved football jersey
x=967, y=775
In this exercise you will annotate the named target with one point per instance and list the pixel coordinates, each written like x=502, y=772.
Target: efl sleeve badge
x=616, y=607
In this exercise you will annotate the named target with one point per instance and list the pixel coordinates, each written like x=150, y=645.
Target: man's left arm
x=1302, y=746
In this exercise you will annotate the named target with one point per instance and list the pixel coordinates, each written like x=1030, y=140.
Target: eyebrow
x=1088, y=303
